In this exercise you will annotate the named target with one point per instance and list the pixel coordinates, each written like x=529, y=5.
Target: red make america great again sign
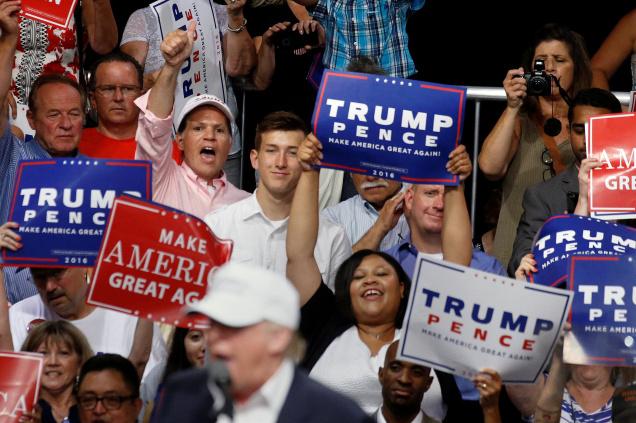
x=612, y=139
x=20, y=383
x=51, y=12
x=154, y=260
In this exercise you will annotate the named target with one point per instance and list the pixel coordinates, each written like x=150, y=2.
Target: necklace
x=376, y=336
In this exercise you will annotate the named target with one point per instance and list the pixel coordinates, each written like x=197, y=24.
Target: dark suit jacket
x=186, y=398
x=555, y=196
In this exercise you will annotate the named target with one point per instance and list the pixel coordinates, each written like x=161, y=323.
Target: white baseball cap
x=205, y=100
x=241, y=295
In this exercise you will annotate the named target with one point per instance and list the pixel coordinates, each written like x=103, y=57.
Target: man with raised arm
x=198, y=185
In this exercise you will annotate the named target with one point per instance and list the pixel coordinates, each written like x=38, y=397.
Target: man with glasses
x=115, y=83
x=108, y=390
x=559, y=195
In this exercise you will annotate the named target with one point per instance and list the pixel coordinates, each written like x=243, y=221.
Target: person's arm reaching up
x=176, y=47
x=100, y=25
x=8, y=39
x=618, y=46
x=302, y=230
x=456, y=231
x=238, y=46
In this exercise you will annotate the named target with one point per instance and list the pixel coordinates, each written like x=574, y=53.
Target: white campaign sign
x=460, y=320
x=203, y=71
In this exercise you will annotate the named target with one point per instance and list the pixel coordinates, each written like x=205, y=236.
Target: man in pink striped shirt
x=199, y=185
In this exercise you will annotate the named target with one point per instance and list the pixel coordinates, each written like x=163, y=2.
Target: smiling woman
x=348, y=333
x=65, y=349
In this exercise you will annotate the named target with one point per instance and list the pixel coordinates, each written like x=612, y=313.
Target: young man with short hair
x=258, y=224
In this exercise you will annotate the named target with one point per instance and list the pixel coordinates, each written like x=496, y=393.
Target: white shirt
x=348, y=367
x=380, y=418
x=265, y=404
x=107, y=331
x=261, y=241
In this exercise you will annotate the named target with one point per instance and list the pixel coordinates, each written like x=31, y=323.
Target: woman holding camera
x=529, y=141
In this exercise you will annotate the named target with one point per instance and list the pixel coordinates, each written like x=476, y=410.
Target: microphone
x=219, y=383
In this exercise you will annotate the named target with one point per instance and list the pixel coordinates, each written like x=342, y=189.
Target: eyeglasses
x=546, y=159
x=109, y=90
x=110, y=402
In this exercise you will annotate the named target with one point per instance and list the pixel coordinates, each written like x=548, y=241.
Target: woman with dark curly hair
x=529, y=142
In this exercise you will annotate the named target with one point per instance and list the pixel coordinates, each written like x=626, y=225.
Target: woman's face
x=195, y=347
x=61, y=366
x=376, y=291
x=558, y=62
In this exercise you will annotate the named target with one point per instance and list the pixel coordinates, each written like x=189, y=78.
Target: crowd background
x=475, y=43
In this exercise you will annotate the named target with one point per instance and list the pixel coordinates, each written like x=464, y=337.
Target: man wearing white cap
x=253, y=315
x=204, y=134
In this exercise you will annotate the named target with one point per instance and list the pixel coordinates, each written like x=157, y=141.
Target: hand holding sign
x=8, y=238
x=177, y=46
x=9, y=17
x=587, y=164
x=459, y=163
x=310, y=152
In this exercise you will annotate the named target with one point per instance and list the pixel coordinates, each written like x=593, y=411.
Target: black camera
x=292, y=40
x=538, y=82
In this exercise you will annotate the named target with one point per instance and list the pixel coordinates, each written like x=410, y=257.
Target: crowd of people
x=306, y=318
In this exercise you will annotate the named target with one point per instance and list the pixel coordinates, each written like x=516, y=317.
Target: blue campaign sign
x=389, y=127
x=565, y=235
x=62, y=206
x=603, y=311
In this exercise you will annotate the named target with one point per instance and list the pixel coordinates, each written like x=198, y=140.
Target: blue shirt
x=405, y=253
x=17, y=280
x=372, y=28
x=357, y=216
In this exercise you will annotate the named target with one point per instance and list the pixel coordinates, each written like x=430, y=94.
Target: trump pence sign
x=389, y=127
x=460, y=320
x=603, y=311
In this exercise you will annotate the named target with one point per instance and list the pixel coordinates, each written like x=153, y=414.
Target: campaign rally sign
x=51, y=12
x=603, y=311
x=19, y=384
x=389, y=127
x=62, y=206
x=460, y=320
x=203, y=72
x=613, y=186
x=161, y=266
x=564, y=235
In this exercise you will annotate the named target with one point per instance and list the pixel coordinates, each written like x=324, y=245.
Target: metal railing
x=479, y=94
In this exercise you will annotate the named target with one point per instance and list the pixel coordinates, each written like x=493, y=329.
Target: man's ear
x=180, y=143
x=30, y=118
x=428, y=384
x=408, y=198
x=254, y=158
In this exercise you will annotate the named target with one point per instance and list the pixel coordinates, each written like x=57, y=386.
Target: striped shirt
x=357, y=216
x=17, y=280
x=572, y=412
x=372, y=28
